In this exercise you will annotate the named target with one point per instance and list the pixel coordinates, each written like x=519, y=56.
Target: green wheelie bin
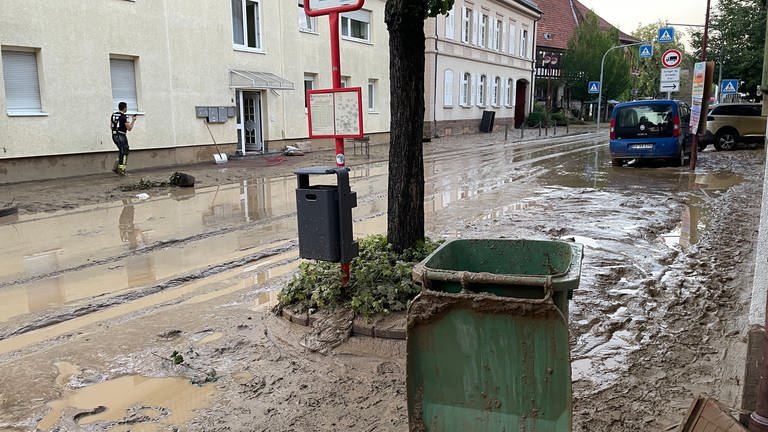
x=487, y=338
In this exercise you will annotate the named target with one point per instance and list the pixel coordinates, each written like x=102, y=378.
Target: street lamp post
x=602, y=64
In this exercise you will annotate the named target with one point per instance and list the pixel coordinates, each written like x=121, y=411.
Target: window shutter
x=448, y=88
x=22, y=88
x=123, y=83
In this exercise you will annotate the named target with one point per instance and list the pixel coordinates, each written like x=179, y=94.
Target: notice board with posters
x=702, y=90
x=335, y=113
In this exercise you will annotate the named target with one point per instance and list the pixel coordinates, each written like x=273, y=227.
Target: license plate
x=641, y=146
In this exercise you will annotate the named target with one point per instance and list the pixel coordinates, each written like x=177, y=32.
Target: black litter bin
x=324, y=216
x=486, y=124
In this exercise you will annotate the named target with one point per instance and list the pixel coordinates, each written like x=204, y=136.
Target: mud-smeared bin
x=488, y=337
x=504, y=267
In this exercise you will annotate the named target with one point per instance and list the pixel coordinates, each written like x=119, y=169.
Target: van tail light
x=676, y=131
x=613, y=124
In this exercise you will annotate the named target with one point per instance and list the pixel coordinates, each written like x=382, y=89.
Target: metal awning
x=258, y=80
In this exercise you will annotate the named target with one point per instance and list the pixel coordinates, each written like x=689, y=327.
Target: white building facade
x=480, y=57
x=197, y=72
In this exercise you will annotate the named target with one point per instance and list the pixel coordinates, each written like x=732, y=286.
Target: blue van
x=651, y=129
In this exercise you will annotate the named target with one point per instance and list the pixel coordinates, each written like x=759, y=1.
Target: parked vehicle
x=732, y=123
x=650, y=129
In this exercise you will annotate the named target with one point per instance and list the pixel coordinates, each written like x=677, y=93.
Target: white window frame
x=450, y=24
x=372, y=95
x=524, y=43
x=484, y=27
x=510, y=94
x=512, y=37
x=466, y=89
x=256, y=17
x=466, y=24
x=448, y=88
x=360, y=16
x=345, y=81
x=307, y=23
x=482, y=90
x=495, y=91
x=310, y=83
x=498, y=25
x=122, y=72
x=21, y=76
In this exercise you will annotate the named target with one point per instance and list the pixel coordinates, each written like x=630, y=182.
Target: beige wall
x=183, y=52
x=446, y=53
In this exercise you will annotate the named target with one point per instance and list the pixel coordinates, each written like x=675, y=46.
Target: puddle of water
x=165, y=401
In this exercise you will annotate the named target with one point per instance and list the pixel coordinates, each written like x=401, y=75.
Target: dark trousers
x=121, y=141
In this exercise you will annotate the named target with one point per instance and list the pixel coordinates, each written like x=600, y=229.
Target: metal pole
x=704, y=103
x=602, y=64
x=758, y=420
x=333, y=20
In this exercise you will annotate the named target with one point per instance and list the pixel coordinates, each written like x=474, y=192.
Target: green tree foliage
x=405, y=197
x=581, y=61
x=736, y=40
x=647, y=81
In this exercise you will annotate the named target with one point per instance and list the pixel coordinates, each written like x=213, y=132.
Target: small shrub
x=379, y=282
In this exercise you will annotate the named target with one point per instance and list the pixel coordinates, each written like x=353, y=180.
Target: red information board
x=335, y=113
x=325, y=7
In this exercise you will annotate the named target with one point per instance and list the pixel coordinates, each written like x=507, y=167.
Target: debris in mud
x=142, y=184
x=706, y=414
x=170, y=334
x=182, y=180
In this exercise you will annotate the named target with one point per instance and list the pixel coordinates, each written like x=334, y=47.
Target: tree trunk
x=405, y=216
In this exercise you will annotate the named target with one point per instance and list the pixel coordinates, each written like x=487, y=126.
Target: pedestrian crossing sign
x=666, y=34
x=646, y=51
x=729, y=86
x=594, y=86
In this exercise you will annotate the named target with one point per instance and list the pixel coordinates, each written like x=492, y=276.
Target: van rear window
x=640, y=121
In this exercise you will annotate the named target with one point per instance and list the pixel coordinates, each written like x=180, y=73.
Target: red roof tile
x=559, y=21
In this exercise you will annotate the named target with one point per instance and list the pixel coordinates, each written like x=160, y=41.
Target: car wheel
x=680, y=161
x=617, y=162
x=726, y=140
x=702, y=147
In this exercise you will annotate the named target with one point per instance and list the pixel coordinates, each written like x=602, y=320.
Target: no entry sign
x=671, y=58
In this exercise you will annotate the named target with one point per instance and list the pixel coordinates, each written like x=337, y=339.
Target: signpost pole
x=333, y=20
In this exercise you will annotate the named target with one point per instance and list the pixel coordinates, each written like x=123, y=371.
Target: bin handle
x=466, y=278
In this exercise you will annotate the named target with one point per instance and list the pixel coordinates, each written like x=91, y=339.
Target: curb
x=383, y=327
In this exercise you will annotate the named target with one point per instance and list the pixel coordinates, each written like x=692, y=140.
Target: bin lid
x=320, y=170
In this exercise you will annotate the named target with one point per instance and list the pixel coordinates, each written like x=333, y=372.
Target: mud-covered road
x=99, y=287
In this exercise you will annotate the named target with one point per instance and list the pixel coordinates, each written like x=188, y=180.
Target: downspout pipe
x=534, y=52
x=434, y=87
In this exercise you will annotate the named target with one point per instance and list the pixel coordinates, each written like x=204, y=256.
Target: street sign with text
x=670, y=74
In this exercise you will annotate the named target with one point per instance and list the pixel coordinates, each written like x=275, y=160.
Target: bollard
x=555, y=133
x=522, y=130
x=539, y=128
x=506, y=131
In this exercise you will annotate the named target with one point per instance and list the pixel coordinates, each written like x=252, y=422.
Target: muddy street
x=96, y=295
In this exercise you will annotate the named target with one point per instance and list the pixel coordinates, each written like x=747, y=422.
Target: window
x=345, y=80
x=22, y=87
x=356, y=25
x=246, y=26
x=372, y=95
x=510, y=93
x=306, y=22
x=495, y=91
x=483, y=37
x=482, y=84
x=465, y=89
x=450, y=25
x=496, y=44
x=512, y=36
x=309, y=84
x=524, y=43
x=448, y=88
x=123, y=74
x=466, y=24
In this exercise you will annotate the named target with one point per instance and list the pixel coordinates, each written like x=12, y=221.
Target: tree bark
x=405, y=216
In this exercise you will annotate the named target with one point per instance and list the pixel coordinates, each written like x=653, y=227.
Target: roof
x=559, y=22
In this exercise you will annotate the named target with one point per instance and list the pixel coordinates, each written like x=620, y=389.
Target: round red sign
x=671, y=58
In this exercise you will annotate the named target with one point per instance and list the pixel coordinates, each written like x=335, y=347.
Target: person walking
x=120, y=125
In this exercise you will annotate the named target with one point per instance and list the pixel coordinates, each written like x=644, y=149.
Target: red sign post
x=333, y=8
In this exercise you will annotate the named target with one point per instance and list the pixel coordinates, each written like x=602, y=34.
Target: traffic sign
x=666, y=34
x=646, y=51
x=594, y=87
x=670, y=75
x=669, y=86
x=729, y=86
x=671, y=58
